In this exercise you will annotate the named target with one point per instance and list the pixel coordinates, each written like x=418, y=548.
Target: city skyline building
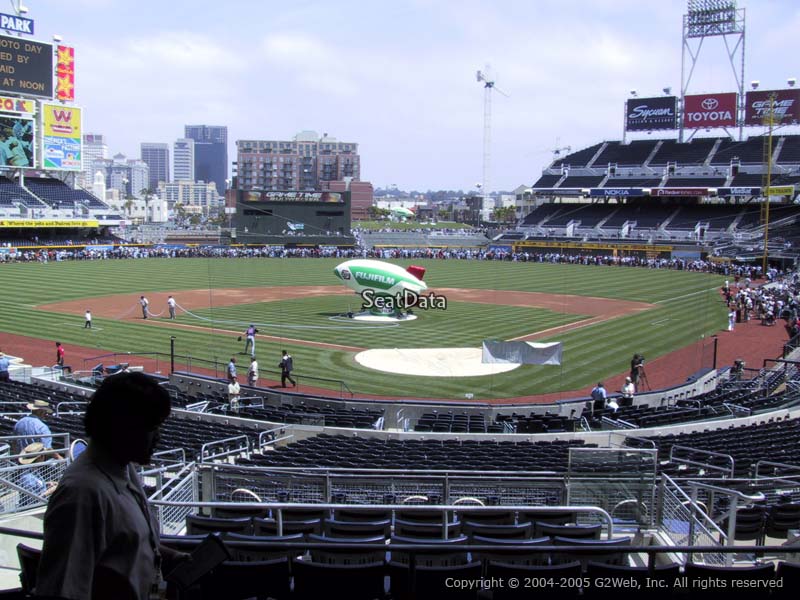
x=94, y=148
x=128, y=176
x=156, y=155
x=201, y=196
x=210, y=153
x=183, y=160
x=302, y=163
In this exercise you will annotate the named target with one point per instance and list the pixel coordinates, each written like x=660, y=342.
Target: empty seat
x=586, y=550
x=568, y=531
x=28, y=566
x=549, y=577
x=503, y=551
x=270, y=527
x=427, y=530
x=355, y=582
x=355, y=529
x=197, y=524
x=520, y=531
x=241, y=552
x=433, y=581
x=239, y=580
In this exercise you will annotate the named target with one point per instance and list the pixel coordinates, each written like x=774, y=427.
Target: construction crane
x=487, y=79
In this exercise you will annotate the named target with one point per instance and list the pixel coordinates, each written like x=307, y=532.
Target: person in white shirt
x=233, y=395
x=628, y=390
x=143, y=302
x=252, y=372
x=171, y=307
x=88, y=317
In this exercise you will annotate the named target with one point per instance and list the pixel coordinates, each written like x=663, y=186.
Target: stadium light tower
x=487, y=79
x=713, y=18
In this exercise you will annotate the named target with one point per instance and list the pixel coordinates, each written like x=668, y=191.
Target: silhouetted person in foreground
x=100, y=539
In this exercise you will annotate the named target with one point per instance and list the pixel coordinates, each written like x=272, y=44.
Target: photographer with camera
x=637, y=369
x=250, y=336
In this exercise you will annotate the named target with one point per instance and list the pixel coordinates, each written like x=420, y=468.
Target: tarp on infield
x=521, y=353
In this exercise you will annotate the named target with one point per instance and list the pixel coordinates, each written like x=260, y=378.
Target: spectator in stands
x=599, y=396
x=31, y=479
x=59, y=355
x=100, y=538
x=731, y=320
x=234, y=391
x=628, y=390
x=171, y=307
x=33, y=428
x=88, y=317
x=286, y=366
x=143, y=302
x=231, y=371
x=4, y=364
x=252, y=372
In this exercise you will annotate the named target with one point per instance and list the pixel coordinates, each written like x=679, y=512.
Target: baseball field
x=602, y=315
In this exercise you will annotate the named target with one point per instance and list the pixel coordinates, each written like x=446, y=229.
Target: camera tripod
x=643, y=382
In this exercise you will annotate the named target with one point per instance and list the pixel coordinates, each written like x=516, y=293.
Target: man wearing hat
x=30, y=478
x=628, y=390
x=33, y=427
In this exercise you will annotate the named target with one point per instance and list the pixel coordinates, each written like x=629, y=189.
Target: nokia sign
x=710, y=110
x=643, y=114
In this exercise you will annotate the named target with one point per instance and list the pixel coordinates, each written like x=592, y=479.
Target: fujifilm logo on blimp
x=380, y=277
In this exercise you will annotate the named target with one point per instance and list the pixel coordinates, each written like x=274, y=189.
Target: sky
x=398, y=78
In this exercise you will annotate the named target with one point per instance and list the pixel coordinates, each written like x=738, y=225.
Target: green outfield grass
x=687, y=306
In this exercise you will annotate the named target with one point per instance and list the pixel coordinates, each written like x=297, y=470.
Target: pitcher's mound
x=430, y=362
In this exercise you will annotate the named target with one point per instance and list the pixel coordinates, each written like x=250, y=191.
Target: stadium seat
x=423, y=582
x=426, y=530
x=444, y=552
x=270, y=527
x=361, y=514
x=347, y=556
x=502, y=553
x=666, y=574
x=255, y=553
x=197, y=524
x=28, y=566
x=238, y=512
x=789, y=574
x=583, y=550
x=781, y=519
x=520, y=531
x=239, y=580
x=313, y=581
x=583, y=532
x=504, y=572
x=505, y=517
x=334, y=528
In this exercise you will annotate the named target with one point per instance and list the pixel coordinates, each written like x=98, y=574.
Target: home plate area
x=431, y=362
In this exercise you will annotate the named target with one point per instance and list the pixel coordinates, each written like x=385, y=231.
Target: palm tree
x=147, y=193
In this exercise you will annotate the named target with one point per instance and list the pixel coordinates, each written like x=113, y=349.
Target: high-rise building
x=189, y=193
x=299, y=164
x=210, y=153
x=156, y=155
x=183, y=160
x=94, y=148
x=128, y=176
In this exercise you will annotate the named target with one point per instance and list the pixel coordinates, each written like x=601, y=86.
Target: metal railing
x=702, y=465
x=178, y=502
x=271, y=437
x=27, y=486
x=685, y=523
x=233, y=446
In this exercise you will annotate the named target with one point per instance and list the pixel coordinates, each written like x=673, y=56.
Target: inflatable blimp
x=384, y=288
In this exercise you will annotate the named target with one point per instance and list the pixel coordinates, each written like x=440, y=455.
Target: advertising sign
x=17, y=105
x=61, y=138
x=679, y=192
x=616, y=192
x=786, y=108
x=17, y=148
x=290, y=196
x=50, y=223
x=16, y=24
x=26, y=67
x=739, y=191
x=65, y=74
x=643, y=114
x=710, y=110
x=779, y=190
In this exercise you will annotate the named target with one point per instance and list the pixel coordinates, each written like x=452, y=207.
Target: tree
x=505, y=214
